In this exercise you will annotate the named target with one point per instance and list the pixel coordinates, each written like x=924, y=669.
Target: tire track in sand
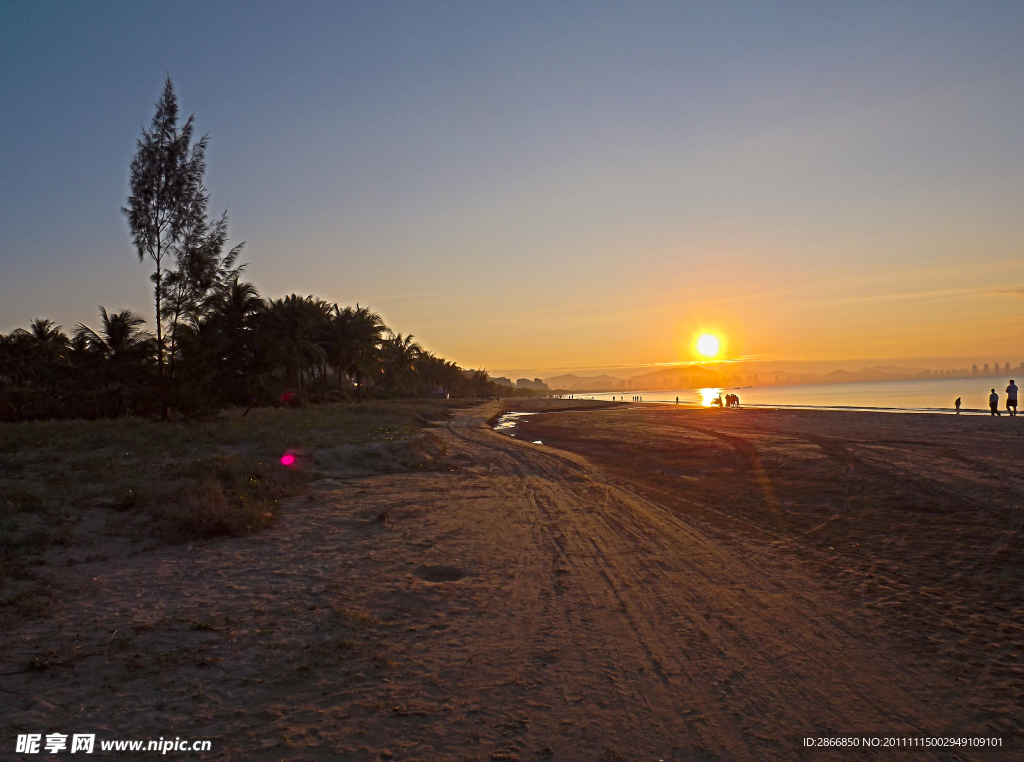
x=737, y=661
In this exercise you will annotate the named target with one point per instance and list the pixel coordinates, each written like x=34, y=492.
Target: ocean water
x=925, y=395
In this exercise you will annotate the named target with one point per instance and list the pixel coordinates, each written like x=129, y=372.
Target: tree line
x=216, y=341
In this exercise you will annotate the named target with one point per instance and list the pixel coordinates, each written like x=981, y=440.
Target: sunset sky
x=550, y=186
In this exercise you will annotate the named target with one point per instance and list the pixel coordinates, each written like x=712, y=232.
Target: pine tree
x=166, y=177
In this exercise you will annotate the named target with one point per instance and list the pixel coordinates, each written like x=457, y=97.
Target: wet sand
x=650, y=583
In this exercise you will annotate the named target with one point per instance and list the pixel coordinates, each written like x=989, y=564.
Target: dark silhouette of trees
x=37, y=354
x=215, y=340
x=234, y=348
x=290, y=324
x=166, y=186
x=120, y=340
x=355, y=343
x=46, y=333
x=398, y=362
x=114, y=360
x=203, y=269
x=225, y=351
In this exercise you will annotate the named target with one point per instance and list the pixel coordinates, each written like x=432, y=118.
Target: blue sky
x=534, y=186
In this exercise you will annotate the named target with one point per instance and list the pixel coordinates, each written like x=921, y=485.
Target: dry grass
x=78, y=491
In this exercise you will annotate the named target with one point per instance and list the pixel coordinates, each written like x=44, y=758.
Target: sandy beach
x=649, y=583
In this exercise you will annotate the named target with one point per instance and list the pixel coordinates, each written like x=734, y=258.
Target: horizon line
x=569, y=369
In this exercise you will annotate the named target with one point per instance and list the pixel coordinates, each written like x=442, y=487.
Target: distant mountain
x=664, y=378
x=572, y=382
x=683, y=377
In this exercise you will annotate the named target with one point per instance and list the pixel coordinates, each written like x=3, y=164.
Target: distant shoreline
x=917, y=396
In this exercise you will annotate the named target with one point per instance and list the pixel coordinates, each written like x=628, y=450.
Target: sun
x=708, y=345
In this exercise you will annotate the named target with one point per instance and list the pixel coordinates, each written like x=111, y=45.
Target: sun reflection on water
x=708, y=396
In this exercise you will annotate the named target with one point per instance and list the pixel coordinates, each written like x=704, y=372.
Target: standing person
x=1011, y=398
x=957, y=404
x=993, y=403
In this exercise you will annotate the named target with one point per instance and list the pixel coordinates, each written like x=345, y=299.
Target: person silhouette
x=993, y=403
x=957, y=405
x=1011, y=398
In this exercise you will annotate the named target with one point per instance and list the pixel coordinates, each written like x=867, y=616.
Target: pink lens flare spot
x=287, y=459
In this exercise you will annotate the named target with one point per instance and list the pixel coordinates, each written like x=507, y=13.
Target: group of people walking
x=993, y=401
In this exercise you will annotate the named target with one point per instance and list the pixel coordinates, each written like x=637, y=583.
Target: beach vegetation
x=215, y=341
x=79, y=491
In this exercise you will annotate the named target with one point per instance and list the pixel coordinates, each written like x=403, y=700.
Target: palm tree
x=435, y=374
x=203, y=270
x=222, y=356
x=290, y=324
x=399, y=356
x=34, y=355
x=45, y=332
x=354, y=345
x=235, y=305
x=122, y=349
x=321, y=332
x=119, y=337
x=44, y=341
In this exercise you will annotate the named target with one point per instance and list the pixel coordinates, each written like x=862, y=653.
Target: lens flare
x=287, y=459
